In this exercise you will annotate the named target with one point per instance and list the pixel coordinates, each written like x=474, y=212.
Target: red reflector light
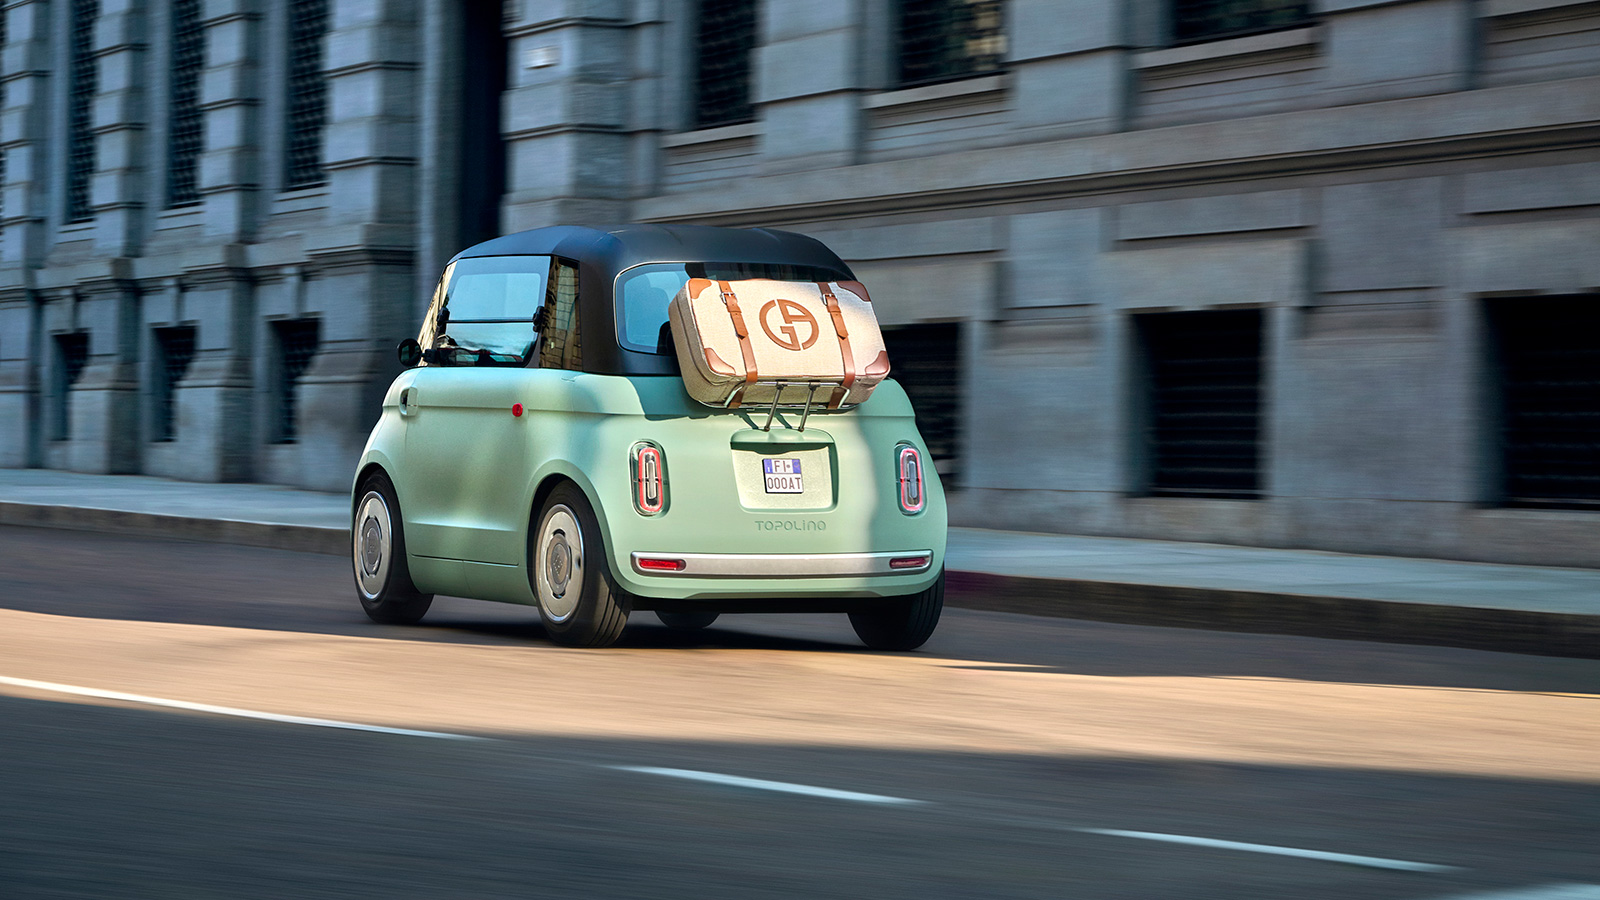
x=661, y=565
x=908, y=562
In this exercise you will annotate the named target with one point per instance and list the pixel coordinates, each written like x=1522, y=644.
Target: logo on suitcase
x=792, y=314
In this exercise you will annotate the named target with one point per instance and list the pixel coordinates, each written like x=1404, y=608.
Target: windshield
x=643, y=293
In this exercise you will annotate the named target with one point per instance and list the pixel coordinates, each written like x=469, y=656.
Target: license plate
x=783, y=476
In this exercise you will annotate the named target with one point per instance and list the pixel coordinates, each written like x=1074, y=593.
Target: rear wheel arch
x=557, y=476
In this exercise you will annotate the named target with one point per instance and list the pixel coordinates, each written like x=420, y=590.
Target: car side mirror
x=410, y=352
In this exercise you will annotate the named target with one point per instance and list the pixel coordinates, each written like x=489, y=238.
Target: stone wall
x=1369, y=181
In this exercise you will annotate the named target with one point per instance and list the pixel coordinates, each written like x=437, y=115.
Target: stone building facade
x=1312, y=273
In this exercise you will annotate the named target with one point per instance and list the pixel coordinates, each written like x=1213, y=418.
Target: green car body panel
x=468, y=475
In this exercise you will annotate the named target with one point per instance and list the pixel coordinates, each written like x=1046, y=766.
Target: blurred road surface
x=1012, y=757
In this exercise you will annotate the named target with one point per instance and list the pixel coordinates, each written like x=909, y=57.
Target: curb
x=274, y=536
x=1211, y=609
x=1263, y=612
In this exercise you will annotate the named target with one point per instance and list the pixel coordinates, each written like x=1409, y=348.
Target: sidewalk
x=1529, y=609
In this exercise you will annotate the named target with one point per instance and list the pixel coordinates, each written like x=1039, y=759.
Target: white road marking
x=1371, y=862
x=764, y=785
x=1542, y=892
x=1550, y=892
x=228, y=710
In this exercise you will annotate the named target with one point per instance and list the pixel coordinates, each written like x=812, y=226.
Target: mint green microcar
x=540, y=448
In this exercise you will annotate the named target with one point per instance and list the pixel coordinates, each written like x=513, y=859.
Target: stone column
x=808, y=74
x=230, y=95
x=24, y=134
x=566, y=113
x=118, y=117
x=365, y=253
x=25, y=85
x=1068, y=62
x=1378, y=50
x=19, y=389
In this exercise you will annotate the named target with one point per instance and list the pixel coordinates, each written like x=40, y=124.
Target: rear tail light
x=908, y=466
x=908, y=562
x=649, y=479
x=661, y=564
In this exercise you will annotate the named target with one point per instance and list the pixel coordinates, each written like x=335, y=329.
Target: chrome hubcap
x=559, y=564
x=373, y=544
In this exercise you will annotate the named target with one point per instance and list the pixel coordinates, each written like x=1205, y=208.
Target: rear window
x=643, y=293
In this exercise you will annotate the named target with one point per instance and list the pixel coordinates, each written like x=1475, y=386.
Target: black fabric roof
x=603, y=252
x=624, y=246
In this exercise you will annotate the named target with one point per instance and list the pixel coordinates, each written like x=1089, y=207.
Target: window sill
x=966, y=87
x=301, y=200
x=181, y=217
x=1494, y=9
x=1228, y=47
x=713, y=135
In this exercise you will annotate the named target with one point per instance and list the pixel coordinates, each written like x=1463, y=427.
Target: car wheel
x=903, y=623
x=686, y=621
x=378, y=551
x=580, y=603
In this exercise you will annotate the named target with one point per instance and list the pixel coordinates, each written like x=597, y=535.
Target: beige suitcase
x=744, y=343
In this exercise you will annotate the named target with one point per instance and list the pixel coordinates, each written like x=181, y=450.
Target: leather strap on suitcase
x=832, y=303
x=750, y=373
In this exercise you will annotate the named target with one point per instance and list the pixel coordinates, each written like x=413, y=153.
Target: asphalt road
x=991, y=764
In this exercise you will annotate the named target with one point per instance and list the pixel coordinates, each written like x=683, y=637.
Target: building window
x=174, y=350
x=926, y=361
x=1210, y=20
x=80, y=104
x=296, y=342
x=1201, y=383
x=72, y=355
x=942, y=40
x=724, y=37
x=1546, y=368
x=185, y=136
x=307, y=95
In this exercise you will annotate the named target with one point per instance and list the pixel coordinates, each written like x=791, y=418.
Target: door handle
x=408, y=401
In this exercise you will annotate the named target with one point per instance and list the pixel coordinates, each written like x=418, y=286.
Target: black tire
x=378, y=556
x=903, y=623
x=686, y=621
x=582, y=606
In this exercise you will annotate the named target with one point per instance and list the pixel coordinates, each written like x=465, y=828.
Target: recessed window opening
x=1202, y=387
x=72, y=356
x=80, y=102
x=1194, y=21
x=1546, y=372
x=297, y=341
x=926, y=360
x=174, y=350
x=307, y=95
x=184, y=135
x=943, y=40
x=724, y=36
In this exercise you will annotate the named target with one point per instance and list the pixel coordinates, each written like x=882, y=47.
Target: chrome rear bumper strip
x=789, y=565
